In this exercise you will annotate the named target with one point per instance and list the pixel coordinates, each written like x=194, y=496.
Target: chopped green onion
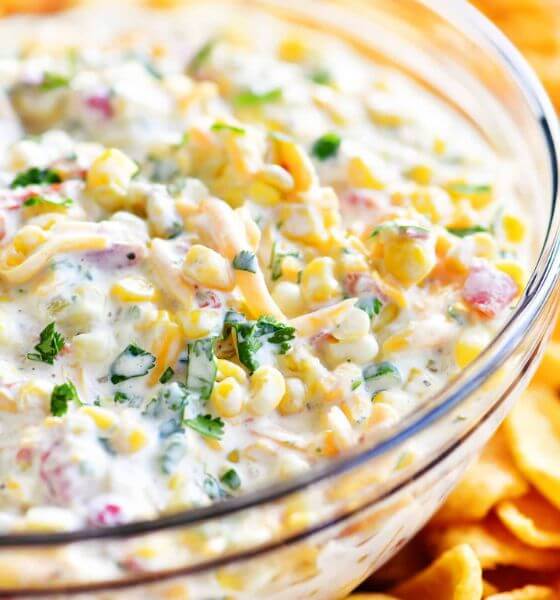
x=245, y=261
x=166, y=375
x=43, y=201
x=53, y=81
x=231, y=479
x=35, y=176
x=61, y=396
x=249, y=98
x=466, y=231
x=219, y=126
x=371, y=305
x=326, y=146
x=381, y=376
x=207, y=426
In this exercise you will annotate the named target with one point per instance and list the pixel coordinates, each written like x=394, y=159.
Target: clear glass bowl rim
x=541, y=284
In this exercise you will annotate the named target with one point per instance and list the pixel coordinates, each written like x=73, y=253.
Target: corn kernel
x=421, y=174
x=288, y=297
x=230, y=579
x=362, y=175
x=515, y=270
x=303, y=223
x=108, y=178
x=292, y=49
x=103, y=418
x=514, y=228
x=267, y=390
x=227, y=398
x=277, y=177
x=409, y=261
x=264, y=194
x=199, y=323
x=396, y=343
x=318, y=283
x=360, y=351
x=137, y=439
x=470, y=344
x=294, y=398
x=354, y=326
x=341, y=428
x=134, y=289
x=208, y=268
x=226, y=368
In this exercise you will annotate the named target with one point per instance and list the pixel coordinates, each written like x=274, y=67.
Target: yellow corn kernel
x=318, y=283
x=294, y=398
x=514, y=228
x=303, y=223
x=421, y=174
x=354, y=326
x=382, y=414
x=432, y=202
x=388, y=314
x=176, y=591
x=288, y=297
x=28, y=239
x=291, y=269
x=294, y=158
x=208, y=268
x=146, y=551
x=360, y=351
x=361, y=175
x=264, y=194
x=292, y=49
x=109, y=176
x=298, y=514
x=267, y=390
x=103, y=418
x=341, y=428
x=470, y=344
x=439, y=146
x=134, y=289
x=409, y=261
x=515, y=270
x=198, y=323
x=230, y=579
x=167, y=344
x=227, y=398
x=34, y=395
x=137, y=439
x=277, y=177
x=233, y=456
x=351, y=262
x=226, y=368
x=396, y=343
x=479, y=196
x=444, y=243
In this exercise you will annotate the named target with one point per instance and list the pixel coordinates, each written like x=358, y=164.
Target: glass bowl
x=319, y=535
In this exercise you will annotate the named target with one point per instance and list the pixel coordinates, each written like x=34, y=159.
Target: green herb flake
x=132, y=362
x=371, y=305
x=43, y=201
x=121, y=398
x=469, y=189
x=50, y=344
x=35, y=176
x=356, y=384
x=220, y=126
x=202, y=56
x=326, y=146
x=167, y=375
x=202, y=369
x=61, y=396
x=245, y=261
x=466, y=231
x=231, y=479
x=321, y=76
x=276, y=259
x=53, y=81
x=250, y=98
x=207, y=426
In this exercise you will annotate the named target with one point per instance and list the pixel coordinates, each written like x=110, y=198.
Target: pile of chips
x=498, y=534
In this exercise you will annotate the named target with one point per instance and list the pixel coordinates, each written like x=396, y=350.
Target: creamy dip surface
x=231, y=248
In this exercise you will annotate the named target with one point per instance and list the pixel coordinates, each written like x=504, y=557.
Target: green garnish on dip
x=207, y=426
x=132, y=362
x=35, y=176
x=61, y=396
x=245, y=261
x=326, y=146
x=50, y=344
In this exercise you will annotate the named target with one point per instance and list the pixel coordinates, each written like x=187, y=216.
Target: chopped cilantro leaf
x=202, y=55
x=131, y=362
x=245, y=261
x=61, y=396
x=50, y=344
x=321, y=76
x=35, y=176
x=326, y=146
x=370, y=305
x=231, y=479
x=43, y=201
x=201, y=375
x=220, y=126
x=466, y=231
x=120, y=398
x=166, y=375
x=53, y=81
x=207, y=426
x=249, y=98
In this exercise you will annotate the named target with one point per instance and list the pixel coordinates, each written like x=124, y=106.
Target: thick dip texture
x=230, y=249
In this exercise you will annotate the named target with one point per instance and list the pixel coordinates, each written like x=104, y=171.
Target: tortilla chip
x=455, y=575
x=493, y=544
x=533, y=431
x=529, y=592
x=532, y=520
x=548, y=372
x=494, y=477
x=408, y=561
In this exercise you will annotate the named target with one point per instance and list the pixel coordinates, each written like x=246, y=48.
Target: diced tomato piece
x=208, y=298
x=488, y=290
x=107, y=515
x=101, y=103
